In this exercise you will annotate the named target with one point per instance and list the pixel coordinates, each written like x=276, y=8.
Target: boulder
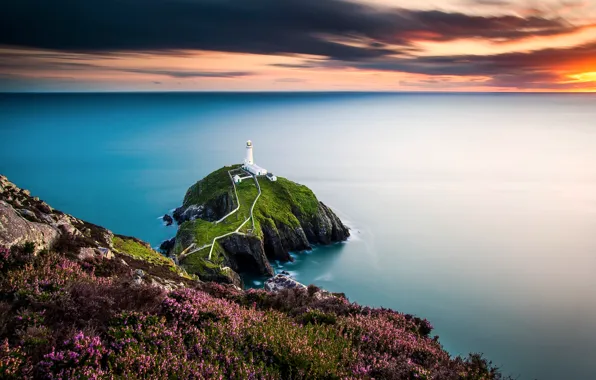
x=16, y=230
x=281, y=282
x=68, y=229
x=28, y=214
x=44, y=207
x=86, y=253
x=167, y=219
x=106, y=253
x=166, y=246
x=138, y=276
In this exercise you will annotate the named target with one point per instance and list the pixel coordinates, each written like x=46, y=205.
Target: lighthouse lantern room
x=249, y=164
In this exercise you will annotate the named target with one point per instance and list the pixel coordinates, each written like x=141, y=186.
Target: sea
x=475, y=211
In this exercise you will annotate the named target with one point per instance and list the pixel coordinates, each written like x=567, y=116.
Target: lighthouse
x=249, y=159
x=249, y=163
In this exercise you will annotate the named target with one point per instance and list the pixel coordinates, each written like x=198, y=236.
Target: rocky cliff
x=27, y=220
x=286, y=217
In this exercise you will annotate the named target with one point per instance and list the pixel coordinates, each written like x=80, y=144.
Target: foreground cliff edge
x=77, y=301
x=256, y=219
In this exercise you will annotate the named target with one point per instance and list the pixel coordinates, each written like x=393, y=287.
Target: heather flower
x=80, y=357
x=217, y=332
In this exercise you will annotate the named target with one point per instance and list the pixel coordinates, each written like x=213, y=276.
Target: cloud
x=191, y=74
x=336, y=29
x=491, y=3
x=40, y=61
x=545, y=68
x=290, y=80
x=304, y=65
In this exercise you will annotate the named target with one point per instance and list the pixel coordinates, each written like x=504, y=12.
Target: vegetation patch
x=280, y=202
x=134, y=248
x=283, y=199
x=60, y=319
x=210, y=187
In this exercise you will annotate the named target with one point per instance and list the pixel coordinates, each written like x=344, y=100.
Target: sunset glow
x=332, y=45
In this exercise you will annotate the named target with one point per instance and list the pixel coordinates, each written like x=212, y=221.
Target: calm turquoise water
x=475, y=211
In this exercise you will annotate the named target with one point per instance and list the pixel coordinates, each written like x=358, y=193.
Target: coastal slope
x=28, y=220
x=80, y=302
x=285, y=217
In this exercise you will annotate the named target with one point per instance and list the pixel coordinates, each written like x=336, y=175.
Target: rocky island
x=258, y=220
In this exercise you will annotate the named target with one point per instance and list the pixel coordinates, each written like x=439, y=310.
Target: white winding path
x=236, y=231
x=237, y=200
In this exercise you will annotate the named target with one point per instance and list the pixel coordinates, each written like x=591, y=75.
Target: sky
x=297, y=45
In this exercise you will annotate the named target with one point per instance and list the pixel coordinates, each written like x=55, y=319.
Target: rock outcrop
x=212, y=210
x=287, y=218
x=282, y=281
x=167, y=219
x=27, y=219
x=166, y=246
x=245, y=254
x=16, y=228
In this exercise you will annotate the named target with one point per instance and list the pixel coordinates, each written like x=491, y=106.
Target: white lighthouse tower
x=249, y=163
x=249, y=159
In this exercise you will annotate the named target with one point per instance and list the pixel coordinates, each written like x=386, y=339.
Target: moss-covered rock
x=286, y=217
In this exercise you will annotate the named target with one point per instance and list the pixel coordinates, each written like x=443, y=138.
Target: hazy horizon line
x=291, y=92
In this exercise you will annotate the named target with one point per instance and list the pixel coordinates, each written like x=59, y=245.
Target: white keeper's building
x=249, y=164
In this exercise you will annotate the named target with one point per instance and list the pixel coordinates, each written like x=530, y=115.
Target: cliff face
x=24, y=218
x=286, y=217
x=28, y=220
x=211, y=210
x=323, y=228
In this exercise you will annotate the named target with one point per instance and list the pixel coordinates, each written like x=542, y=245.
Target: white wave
x=325, y=277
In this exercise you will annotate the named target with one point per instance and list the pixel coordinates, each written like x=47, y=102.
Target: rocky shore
x=288, y=217
x=28, y=220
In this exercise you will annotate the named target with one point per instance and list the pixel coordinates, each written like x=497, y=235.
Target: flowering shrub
x=80, y=357
x=63, y=320
x=12, y=361
x=4, y=256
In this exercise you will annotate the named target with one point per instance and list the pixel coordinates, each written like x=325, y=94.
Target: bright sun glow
x=585, y=77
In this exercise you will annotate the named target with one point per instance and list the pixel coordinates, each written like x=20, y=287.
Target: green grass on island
x=278, y=204
x=198, y=262
x=212, y=186
x=204, y=231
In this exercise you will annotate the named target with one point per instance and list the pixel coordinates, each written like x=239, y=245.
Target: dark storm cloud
x=535, y=69
x=331, y=28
